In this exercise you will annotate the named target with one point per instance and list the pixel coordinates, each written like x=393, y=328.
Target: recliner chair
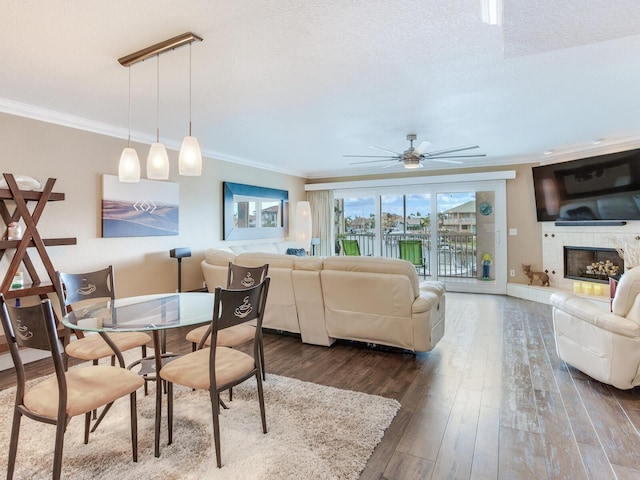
x=604, y=345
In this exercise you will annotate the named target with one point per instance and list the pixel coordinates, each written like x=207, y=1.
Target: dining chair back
x=411, y=250
x=350, y=247
x=227, y=367
x=241, y=277
x=63, y=395
x=76, y=288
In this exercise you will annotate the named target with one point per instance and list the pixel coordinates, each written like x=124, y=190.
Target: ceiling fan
x=413, y=157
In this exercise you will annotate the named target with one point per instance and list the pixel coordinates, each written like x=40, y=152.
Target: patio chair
x=411, y=250
x=65, y=394
x=350, y=247
x=238, y=277
x=218, y=368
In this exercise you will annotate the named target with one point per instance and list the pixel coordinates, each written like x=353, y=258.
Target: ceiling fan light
x=190, y=159
x=157, y=162
x=412, y=163
x=129, y=166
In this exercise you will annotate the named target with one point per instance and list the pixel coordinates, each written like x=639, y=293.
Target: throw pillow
x=298, y=252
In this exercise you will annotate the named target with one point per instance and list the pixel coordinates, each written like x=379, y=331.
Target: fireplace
x=592, y=264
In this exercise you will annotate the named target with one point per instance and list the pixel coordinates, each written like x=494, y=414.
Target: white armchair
x=604, y=345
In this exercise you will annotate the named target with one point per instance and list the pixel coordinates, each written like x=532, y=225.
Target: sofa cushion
x=376, y=265
x=626, y=292
x=634, y=311
x=254, y=259
x=309, y=263
x=215, y=256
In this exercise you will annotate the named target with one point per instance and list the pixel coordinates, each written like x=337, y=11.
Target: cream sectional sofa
x=368, y=299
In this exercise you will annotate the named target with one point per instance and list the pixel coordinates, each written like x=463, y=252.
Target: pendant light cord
x=129, y=138
x=158, y=99
x=190, y=102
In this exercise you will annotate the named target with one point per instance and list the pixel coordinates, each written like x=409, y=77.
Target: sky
x=365, y=206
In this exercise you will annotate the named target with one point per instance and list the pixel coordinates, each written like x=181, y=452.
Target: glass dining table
x=148, y=313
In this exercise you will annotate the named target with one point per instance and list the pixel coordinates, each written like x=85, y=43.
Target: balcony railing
x=456, y=252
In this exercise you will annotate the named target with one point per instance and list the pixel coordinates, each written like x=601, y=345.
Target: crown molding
x=79, y=123
x=590, y=150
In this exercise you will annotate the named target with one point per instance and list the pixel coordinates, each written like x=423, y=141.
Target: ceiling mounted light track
x=190, y=160
x=158, y=48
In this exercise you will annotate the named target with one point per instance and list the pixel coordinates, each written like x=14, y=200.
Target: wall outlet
x=512, y=273
x=204, y=284
x=513, y=231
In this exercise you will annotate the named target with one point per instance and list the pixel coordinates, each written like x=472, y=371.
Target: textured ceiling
x=292, y=86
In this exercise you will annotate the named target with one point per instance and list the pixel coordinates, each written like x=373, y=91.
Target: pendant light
x=190, y=159
x=129, y=167
x=158, y=160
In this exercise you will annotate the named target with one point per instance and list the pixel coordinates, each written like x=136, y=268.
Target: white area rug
x=314, y=432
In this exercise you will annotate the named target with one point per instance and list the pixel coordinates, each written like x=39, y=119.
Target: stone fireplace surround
x=554, y=239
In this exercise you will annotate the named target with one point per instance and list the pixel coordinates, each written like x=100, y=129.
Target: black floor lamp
x=180, y=253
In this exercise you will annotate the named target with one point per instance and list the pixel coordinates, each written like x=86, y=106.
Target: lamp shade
x=129, y=167
x=190, y=159
x=303, y=224
x=157, y=162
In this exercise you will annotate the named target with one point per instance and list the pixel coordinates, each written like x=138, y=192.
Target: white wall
x=78, y=159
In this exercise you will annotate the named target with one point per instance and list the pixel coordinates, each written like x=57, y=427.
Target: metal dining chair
x=238, y=277
x=224, y=367
x=65, y=394
x=74, y=288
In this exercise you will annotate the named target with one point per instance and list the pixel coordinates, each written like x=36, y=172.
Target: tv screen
x=605, y=187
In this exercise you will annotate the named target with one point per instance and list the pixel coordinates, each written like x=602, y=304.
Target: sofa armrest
x=587, y=311
x=577, y=306
x=424, y=302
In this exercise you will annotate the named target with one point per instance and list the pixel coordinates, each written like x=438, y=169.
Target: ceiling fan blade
x=443, y=161
x=451, y=150
x=471, y=155
x=373, y=161
x=422, y=147
x=399, y=162
x=371, y=156
x=383, y=150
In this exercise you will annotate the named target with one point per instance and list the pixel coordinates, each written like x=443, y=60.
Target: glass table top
x=143, y=313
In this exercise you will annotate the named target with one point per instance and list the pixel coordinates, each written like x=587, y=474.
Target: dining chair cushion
x=192, y=369
x=88, y=388
x=229, y=337
x=94, y=346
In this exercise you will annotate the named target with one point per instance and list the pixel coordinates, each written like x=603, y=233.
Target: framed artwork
x=145, y=209
x=251, y=212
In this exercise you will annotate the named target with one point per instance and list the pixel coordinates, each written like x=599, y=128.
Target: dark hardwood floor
x=491, y=401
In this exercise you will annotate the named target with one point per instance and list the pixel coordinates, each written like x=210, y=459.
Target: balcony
x=456, y=252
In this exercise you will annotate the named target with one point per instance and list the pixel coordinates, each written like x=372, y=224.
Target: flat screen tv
x=605, y=187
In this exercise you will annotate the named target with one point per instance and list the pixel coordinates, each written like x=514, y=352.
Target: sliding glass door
x=458, y=228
